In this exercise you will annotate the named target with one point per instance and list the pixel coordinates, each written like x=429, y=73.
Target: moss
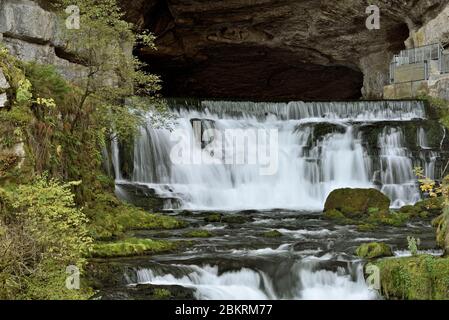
x=388, y=218
x=198, y=234
x=422, y=277
x=354, y=203
x=441, y=224
x=214, y=217
x=131, y=247
x=434, y=206
x=366, y=227
x=373, y=250
x=334, y=215
x=272, y=234
x=161, y=294
x=236, y=219
x=111, y=218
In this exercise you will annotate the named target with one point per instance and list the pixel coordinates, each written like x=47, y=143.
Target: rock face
x=356, y=202
x=33, y=34
x=285, y=49
x=4, y=85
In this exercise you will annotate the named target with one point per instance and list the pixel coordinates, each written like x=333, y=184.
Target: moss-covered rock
x=353, y=203
x=110, y=218
x=272, y=234
x=422, y=277
x=236, y=219
x=198, y=234
x=374, y=250
x=433, y=206
x=213, y=217
x=131, y=247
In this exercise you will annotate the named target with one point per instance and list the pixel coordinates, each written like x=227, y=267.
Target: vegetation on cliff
x=55, y=199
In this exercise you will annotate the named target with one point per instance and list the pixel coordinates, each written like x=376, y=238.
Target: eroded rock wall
x=34, y=34
x=267, y=49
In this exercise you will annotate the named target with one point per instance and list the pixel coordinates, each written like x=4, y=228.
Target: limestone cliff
x=33, y=34
x=301, y=49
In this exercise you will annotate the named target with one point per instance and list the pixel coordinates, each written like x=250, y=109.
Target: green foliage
x=413, y=245
x=104, y=44
x=42, y=233
x=354, y=203
x=131, y=247
x=373, y=250
x=420, y=277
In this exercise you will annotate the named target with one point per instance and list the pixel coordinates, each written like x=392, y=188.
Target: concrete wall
x=410, y=72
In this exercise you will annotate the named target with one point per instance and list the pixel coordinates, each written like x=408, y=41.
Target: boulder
x=353, y=203
x=374, y=250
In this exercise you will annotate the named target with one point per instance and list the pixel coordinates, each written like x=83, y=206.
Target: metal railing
x=419, y=54
x=445, y=63
x=424, y=54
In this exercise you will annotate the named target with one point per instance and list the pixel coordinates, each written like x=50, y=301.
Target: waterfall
x=398, y=179
x=317, y=148
x=308, y=282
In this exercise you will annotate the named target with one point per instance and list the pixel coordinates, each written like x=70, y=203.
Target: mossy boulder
x=374, y=250
x=213, y=217
x=354, y=203
x=272, y=234
x=433, y=206
x=422, y=277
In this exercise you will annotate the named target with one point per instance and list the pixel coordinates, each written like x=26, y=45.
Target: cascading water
x=320, y=147
x=290, y=156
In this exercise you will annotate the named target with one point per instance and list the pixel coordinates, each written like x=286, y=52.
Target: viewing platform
x=419, y=71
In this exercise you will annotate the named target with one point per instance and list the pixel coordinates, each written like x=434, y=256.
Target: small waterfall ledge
x=321, y=146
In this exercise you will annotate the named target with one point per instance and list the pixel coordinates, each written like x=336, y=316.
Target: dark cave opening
x=243, y=72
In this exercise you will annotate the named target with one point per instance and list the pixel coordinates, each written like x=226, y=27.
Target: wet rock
x=148, y=292
x=352, y=203
x=272, y=234
x=236, y=219
x=374, y=250
x=422, y=277
x=214, y=217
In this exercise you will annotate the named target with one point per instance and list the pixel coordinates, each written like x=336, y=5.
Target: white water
x=309, y=167
x=247, y=284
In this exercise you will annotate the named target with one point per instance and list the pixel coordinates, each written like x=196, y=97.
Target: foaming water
x=247, y=284
x=320, y=148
